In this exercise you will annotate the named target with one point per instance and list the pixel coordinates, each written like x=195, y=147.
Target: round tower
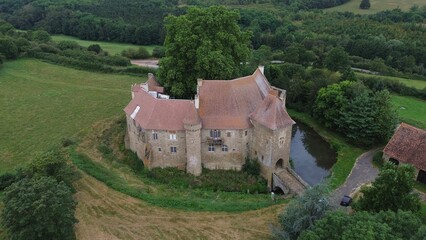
x=192, y=124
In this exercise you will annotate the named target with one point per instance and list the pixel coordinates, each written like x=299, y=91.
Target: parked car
x=346, y=201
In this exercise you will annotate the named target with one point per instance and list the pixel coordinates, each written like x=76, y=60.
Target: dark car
x=346, y=201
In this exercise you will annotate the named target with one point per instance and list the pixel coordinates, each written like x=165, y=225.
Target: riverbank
x=346, y=153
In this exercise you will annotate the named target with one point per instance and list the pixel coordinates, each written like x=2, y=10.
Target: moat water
x=312, y=156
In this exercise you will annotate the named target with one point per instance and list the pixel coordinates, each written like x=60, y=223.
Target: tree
x=337, y=59
x=365, y=226
x=365, y=4
x=8, y=48
x=204, y=43
x=41, y=36
x=301, y=213
x=392, y=190
x=94, y=48
x=39, y=208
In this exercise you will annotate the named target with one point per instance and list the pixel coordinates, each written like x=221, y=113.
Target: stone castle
x=228, y=121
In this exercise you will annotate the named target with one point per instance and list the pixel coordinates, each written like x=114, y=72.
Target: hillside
x=376, y=6
x=43, y=106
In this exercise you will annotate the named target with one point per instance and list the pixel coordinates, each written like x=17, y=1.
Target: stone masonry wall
x=237, y=143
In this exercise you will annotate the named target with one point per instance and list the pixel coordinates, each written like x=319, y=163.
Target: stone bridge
x=288, y=181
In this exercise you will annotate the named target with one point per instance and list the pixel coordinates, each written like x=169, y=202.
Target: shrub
x=378, y=158
x=252, y=167
x=158, y=52
x=63, y=45
x=140, y=53
x=94, y=48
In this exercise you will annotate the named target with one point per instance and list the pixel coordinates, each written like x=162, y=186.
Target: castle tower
x=192, y=124
x=272, y=134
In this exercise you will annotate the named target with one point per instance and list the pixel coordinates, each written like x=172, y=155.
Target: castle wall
x=193, y=149
x=156, y=151
x=237, y=143
x=269, y=146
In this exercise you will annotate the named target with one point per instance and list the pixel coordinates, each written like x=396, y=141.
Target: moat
x=312, y=156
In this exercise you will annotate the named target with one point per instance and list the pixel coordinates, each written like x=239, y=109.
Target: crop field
x=110, y=47
x=376, y=6
x=419, y=84
x=410, y=110
x=44, y=103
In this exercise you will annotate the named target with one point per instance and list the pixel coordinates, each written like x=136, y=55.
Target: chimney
x=197, y=102
x=262, y=69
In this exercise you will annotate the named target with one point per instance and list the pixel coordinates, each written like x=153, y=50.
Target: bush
x=158, y=52
x=94, y=48
x=252, y=167
x=214, y=180
x=64, y=45
x=140, y=53
x=378, y=158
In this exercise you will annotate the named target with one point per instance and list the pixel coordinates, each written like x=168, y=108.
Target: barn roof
x=408, y=145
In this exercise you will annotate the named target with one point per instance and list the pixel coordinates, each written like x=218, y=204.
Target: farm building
x=408, y=145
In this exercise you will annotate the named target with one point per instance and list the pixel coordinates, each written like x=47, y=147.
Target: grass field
x=111, y=47
x=43, y=103
x=419, y=84
x=377, y=6
x=410, y=110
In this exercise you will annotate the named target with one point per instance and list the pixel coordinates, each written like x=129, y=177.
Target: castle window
x=281, y=140
x=159, y=149
x=224, y=148
x=211, y=147
x=154, y=135
x=173, y=149
x=172, y=135
x=228, y=134
x=262, y=157
x=215, y=133
x=245, y=133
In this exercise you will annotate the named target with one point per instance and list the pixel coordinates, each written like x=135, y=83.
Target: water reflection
x=312, y=156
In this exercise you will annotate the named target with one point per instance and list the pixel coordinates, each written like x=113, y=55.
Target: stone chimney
x=262, y=69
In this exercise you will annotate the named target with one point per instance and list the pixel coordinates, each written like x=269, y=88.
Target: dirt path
x=363, y=172
x=106, y=214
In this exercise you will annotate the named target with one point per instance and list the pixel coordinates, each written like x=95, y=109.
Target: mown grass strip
x=346, y=153
x=190, y=200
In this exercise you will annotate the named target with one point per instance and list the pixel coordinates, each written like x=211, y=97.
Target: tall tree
x=392, y=190
x=204, y=43
x=39, y=208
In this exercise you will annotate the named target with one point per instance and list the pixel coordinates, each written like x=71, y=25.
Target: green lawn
x=419, y=84
x=43, y=103
x=377, y=6
x=410, y=110
x=111, y=47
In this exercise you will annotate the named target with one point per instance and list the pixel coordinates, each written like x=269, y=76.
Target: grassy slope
x=410, y=110
x=419, y=84
x=110, y=47
x=43, y=103
x=377, y=6
x=346, y=153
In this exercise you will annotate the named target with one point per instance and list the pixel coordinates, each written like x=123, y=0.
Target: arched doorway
x=394, y=161
x=278, y=190
x=421, y=177
x=279, y=164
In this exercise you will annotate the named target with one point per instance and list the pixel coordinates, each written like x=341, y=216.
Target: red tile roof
x=226, y=104
x=159, y=114
x=271, y=113
x=153, y=85
x=408, y=145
